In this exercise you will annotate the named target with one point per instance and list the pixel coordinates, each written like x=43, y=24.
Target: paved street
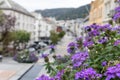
x=61, y=48
x=11, y=70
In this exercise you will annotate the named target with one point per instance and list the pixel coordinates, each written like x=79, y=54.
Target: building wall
x=42, y=27
x=109, y=6
x=96, y=12
x=45, y=29
x=23, y=22
x=102, y=11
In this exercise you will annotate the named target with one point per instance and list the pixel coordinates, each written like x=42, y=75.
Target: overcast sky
x=32, y=5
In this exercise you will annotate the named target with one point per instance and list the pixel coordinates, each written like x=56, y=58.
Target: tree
x=61, y=34
x=7, y=23
x=20, y=37
x=54, y=37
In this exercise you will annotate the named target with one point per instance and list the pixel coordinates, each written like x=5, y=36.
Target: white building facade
x=24, y=20
x=109, y=6
x=75, y=27
x=43, y=26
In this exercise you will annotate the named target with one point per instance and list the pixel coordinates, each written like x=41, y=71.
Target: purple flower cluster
x=103, y=40
x=105, y=27
x=117, y=29
x=88, y=42
x=72, y=44
x=72, y=47
x=117, y=9
x=33, y=57
x=117, y=42
x=94, y=33
x=79, y=39
x=43, y=77
x=104, y=63
x=59, y=75
x=117, y=14
x=44, y=55
x=93, y=30
x=113, y=72
x=51, y=46
x=87, y=74
x=79, y=58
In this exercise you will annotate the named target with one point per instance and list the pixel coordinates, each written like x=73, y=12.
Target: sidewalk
x=11, y=70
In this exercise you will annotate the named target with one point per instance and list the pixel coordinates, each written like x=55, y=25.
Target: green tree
x=61, y=34
x=7, y=23
x=54, y=37
x=20, y=37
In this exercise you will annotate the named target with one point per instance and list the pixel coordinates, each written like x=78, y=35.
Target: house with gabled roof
x=24, y=19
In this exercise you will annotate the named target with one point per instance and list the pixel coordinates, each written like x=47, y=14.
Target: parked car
x=42, y=44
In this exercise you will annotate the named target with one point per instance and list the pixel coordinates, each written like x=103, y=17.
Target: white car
x=42, y=44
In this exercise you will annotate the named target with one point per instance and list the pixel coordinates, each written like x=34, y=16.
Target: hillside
x=66, y=13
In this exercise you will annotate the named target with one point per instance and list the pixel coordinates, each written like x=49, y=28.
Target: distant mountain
x=66, y=13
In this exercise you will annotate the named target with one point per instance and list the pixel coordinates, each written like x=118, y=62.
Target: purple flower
x=87, y=74
x=106, y=27
x=58, y=56
x=44, y=55
x=117, y=9
x=117, y=42
x=104, y=63
x=88, y=28
x=117, y=29
x=94, y=33
x=52, y=46
x=59, y=75
x=88, y=42
x=95, y=26
x=116, y=16
x=118, y=0
x=43, y=77
x=79, y=58
x=72, y=44
x=71, y=50
x=79, y=39
x=72, y=47
x=113, y=72
x=33, y=57
x=103, y=40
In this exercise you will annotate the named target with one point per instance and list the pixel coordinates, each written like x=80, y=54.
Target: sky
x=32, y=5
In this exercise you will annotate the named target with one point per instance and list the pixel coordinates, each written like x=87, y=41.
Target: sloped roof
x=17, y=7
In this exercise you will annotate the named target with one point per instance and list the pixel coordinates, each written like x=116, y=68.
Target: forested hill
x=66, y=13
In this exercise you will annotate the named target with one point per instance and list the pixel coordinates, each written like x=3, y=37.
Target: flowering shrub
x=87, y=74
x=113, y=72
x=25, y=57
x=93, y=57
x=79, y=58
x=72, y=47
